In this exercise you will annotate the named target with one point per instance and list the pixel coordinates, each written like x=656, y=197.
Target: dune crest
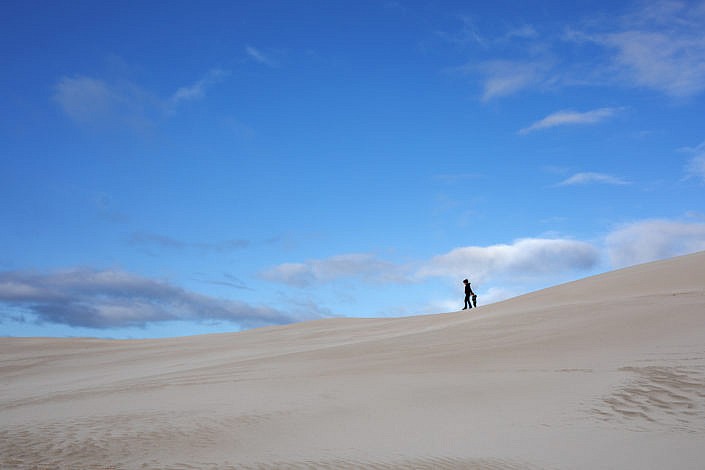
x=605, y=372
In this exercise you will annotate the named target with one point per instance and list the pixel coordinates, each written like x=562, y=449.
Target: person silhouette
x=470, y=297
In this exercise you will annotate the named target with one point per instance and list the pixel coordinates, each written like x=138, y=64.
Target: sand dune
x=606, y=372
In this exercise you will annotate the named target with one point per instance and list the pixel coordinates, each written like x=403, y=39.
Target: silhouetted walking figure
x=470, y=297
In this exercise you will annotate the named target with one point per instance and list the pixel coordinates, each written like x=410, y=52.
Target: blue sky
x=175, y=168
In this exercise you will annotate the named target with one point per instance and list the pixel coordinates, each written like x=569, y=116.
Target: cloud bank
x=650, y=240
x=112, y=298
x=523, y=258
x=505, y=270
x=526, y=257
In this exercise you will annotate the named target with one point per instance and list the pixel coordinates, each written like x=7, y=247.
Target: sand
x=606, y=372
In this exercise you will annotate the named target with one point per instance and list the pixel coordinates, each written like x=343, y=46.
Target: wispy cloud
x=150, y=240
x=506, y=77
x=198, y=90
x=660, y=61
x=466, y=35
x=469, y=34
x=321, y=271
x=570, y=118
x=94, y=102
x=695, y=168
x=659, y=46
x=508, y=60
x=260, y=57
x=84, y=98
x=650, y=240
x=523, y=33
x=455, y=178
x=592, y=178
x=228, y=280
x=113, y=298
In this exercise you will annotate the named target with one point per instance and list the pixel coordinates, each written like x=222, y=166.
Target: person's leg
x=467, y=302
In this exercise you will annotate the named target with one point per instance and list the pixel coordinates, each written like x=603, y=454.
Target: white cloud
x=260, y=57
x=650, y=240
x=564, y=118
x=525, y=257
x=326, y=270
x=590, y=178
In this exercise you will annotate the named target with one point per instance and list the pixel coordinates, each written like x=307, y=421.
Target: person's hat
x=465, y=280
